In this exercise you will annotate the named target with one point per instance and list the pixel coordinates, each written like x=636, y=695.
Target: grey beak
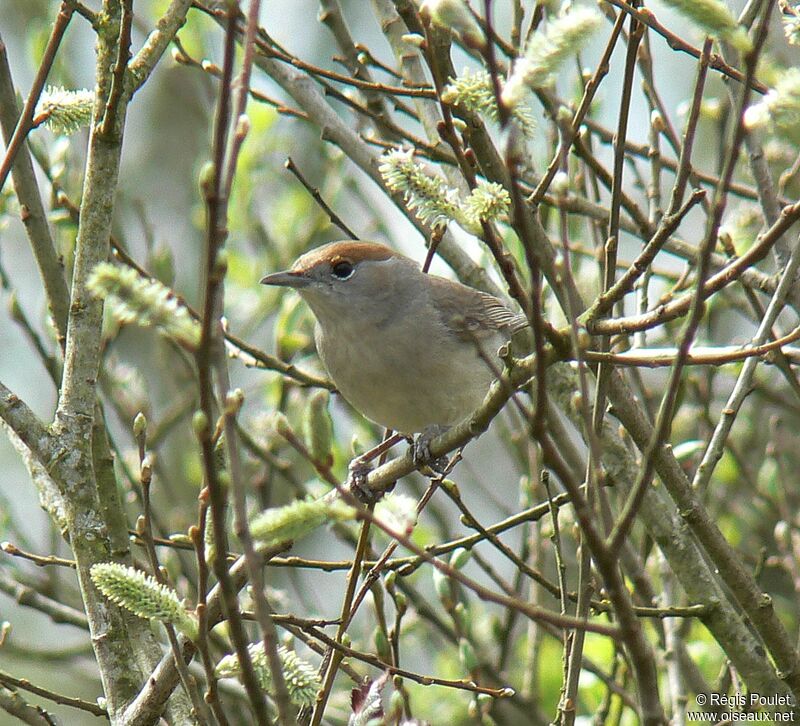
x=287, y=278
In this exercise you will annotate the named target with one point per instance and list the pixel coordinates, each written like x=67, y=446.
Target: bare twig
x=25, y=121
x=79, y=703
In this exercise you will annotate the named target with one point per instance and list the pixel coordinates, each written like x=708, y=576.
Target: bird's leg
x=357, y=473
x=421, y=451
x=359, y=468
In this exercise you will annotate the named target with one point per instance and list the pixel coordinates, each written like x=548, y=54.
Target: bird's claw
x=357, y=473
x=421, y=452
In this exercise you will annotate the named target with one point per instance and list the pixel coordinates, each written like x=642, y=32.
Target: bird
x=413, y=352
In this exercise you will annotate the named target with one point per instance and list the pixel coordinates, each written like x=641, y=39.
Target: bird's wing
x=471, y=314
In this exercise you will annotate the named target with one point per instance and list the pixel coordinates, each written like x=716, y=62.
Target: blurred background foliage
x=160, y=221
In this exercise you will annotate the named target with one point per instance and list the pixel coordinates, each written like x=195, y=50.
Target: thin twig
x=24, y=684
x=206, y=354
x=317, y=197
x=25, y=122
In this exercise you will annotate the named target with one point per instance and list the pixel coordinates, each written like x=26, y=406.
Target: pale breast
x=409, y=374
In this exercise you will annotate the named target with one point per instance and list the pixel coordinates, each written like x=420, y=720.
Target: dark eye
x=343, y=269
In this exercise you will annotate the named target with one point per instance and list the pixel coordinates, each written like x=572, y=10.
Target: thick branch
x=142, y=64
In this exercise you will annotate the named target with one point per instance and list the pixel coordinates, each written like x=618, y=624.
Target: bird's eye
x=343, y=270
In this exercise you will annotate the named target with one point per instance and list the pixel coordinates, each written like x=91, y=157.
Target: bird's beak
x=287, y=278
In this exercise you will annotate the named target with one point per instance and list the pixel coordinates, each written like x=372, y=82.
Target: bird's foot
x=357, y=473
x=421, y=450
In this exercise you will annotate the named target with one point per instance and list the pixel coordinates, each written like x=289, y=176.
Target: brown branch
x=25, y=122
x=646, y=16
x=213, y=274
x=346, y=651
x=317, y=197
x=55, y=610
x=38, y=560
x=33, y=213
x=26, y=685
x=659, y=358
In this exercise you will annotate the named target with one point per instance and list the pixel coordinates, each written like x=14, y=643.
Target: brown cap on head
x=347, y=250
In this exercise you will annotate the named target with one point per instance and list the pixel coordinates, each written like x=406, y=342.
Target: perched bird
x=413, y=352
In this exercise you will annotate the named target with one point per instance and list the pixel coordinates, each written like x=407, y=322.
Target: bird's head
x=349, y=278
